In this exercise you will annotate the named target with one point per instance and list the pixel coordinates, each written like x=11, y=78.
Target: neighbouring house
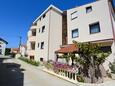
x=15, y=50
x=23, y=50
x=3, y=44
x=45, y=35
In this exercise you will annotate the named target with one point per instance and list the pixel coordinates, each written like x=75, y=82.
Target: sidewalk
x=108, y=83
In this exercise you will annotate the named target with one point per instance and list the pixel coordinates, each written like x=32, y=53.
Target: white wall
x=3, y=47
x=42, y=37
x=55, y=34
x=52, y=36
x=100, y=12
x=23, y=50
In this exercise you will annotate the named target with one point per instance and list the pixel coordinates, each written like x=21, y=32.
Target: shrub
x=49, y=66
x=80, y=78
x=112, y=67
x=36, y=63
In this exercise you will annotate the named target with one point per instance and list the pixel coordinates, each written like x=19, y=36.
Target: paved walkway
x=14, y=72
x=18, y=73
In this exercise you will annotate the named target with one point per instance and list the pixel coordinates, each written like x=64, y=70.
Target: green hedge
x=112, y=67
x=29, y=61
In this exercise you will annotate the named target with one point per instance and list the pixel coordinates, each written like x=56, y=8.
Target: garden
x=86, y=64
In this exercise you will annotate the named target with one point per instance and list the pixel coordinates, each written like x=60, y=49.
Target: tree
x=90, y=59
x=7, y=51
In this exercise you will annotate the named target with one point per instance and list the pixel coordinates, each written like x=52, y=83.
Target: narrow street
x=14, y=72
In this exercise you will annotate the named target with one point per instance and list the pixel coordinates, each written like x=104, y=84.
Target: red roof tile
x=68, y=49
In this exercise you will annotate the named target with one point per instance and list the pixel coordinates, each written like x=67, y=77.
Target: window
x=75, y=33
x=39, y=30
x=44, y=15
x=43, y=29
x=38, y=45
x=31, y=57
x=0, y=45
x=40, y=18
x=41, y=59
x=33, y=32
x=74, y=15
x=88, y=9
x=94, y=28
x=42, y=45
x=33, y=45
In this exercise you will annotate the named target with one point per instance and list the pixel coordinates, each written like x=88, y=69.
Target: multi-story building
x=45, y=35
x=3, y=44
x=92, y=22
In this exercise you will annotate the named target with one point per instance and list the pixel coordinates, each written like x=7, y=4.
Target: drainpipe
x=110, y=12
x=49, y=34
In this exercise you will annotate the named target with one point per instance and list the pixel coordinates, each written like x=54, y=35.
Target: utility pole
x=20, y=41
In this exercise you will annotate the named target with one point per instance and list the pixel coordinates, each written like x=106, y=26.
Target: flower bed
x=65, y=70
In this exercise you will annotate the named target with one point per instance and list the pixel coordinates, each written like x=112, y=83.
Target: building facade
x=94, y=22
x=45, y=35
x=3, y=44
x=91, y=23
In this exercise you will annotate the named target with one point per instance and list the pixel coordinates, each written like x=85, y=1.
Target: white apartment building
x=3, y=44
x=45, y=35
x=92, y=23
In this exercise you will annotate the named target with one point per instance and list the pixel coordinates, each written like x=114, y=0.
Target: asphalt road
x=14, y=72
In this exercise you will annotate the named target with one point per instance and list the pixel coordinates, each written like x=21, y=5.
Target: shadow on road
x=11, y=74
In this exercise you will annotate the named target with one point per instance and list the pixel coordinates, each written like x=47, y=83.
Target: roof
x=51, y=6
x=70, y=48
x=3, y=40
x=15, y=49
x=24, y=46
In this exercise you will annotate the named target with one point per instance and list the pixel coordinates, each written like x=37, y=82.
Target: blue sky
x=16, y=16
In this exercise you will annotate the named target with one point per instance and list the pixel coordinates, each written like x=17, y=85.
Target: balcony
x=32, y=35
x=34, y=26
x=31, y=52
x=32, y=38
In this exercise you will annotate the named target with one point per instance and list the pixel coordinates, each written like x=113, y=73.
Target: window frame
x=43, y=28
x=91, y=25
x=42, y=45
x=39, y=30
x=33, y=31
x=73, y=14
x=44, y=15
x=74, y=31
x=38, y=45
x=89, y=8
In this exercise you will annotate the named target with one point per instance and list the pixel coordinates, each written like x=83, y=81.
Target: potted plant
x=112, y=67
